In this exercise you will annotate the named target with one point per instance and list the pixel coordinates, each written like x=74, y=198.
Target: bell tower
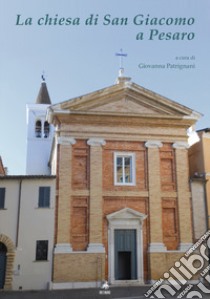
x=39, y=134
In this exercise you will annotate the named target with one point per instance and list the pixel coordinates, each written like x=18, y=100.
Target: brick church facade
x=123, y=209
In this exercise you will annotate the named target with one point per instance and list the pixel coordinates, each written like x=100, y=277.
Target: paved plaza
x=115, y=293
x=91, y=293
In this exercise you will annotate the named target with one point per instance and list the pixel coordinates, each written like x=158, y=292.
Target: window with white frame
x=124, y=169
x=2, y=198
x=44, y=197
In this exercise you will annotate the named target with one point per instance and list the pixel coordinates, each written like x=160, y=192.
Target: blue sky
x=78, y=59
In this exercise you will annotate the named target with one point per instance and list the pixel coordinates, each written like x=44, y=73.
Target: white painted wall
x=53, y=157
x=38, y=149
x=35, y=224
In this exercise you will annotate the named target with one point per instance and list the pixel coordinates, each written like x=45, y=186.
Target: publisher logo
x=105, y=290
x=175, y=282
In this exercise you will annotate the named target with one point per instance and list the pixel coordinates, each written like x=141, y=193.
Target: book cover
x=74, y=45
x=73, y=48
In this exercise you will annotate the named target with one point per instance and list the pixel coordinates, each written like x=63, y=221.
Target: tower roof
x=43, y=95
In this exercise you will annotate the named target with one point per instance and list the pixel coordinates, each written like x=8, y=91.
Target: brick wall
x=165, y=226
x=108, y=165
x=79, y=267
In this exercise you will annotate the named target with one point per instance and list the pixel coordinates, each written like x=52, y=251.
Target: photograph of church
x=123, y=209
x=116, y=162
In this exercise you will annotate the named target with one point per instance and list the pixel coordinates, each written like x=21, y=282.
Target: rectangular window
x=2, y=198
x=41, y=250
x=44, y=197
x=124, y=172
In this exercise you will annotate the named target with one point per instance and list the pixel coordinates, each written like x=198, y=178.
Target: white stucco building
x=27, y=205
x=26, y=231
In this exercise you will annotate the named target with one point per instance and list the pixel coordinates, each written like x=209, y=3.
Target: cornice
x=66, y=140
x=96, y=142
x=181, y=145
x=141, y=96
x=153, y=144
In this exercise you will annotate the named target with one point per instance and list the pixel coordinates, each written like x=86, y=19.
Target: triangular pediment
x=126, y=213
x=128, y=98
x=126, y=105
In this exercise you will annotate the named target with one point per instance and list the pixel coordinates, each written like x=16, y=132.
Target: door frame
x=124, y=248
x=4, y=255
x=126, y=219
x=10, y=261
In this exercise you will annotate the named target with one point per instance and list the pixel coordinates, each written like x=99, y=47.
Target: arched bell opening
x=38, y=129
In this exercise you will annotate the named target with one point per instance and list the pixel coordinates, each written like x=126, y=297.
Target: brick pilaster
x=155, y=204
x=64, y=203
x=183, y=194
x=96, y=210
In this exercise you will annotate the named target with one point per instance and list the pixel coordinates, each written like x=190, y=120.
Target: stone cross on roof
x=121, y=55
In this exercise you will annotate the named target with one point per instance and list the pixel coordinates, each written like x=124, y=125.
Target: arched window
x=46, y=129
x=38, y=129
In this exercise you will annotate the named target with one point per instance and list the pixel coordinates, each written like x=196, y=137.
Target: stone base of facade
x=96, y=248
x=79, y=267
x=157, y=247
x=181, y=282
x=128, y=283
x=74, y=285
x=185, y=246
x=161, y=263
x=87, y=269
x=92, y=284
x=63, y=248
